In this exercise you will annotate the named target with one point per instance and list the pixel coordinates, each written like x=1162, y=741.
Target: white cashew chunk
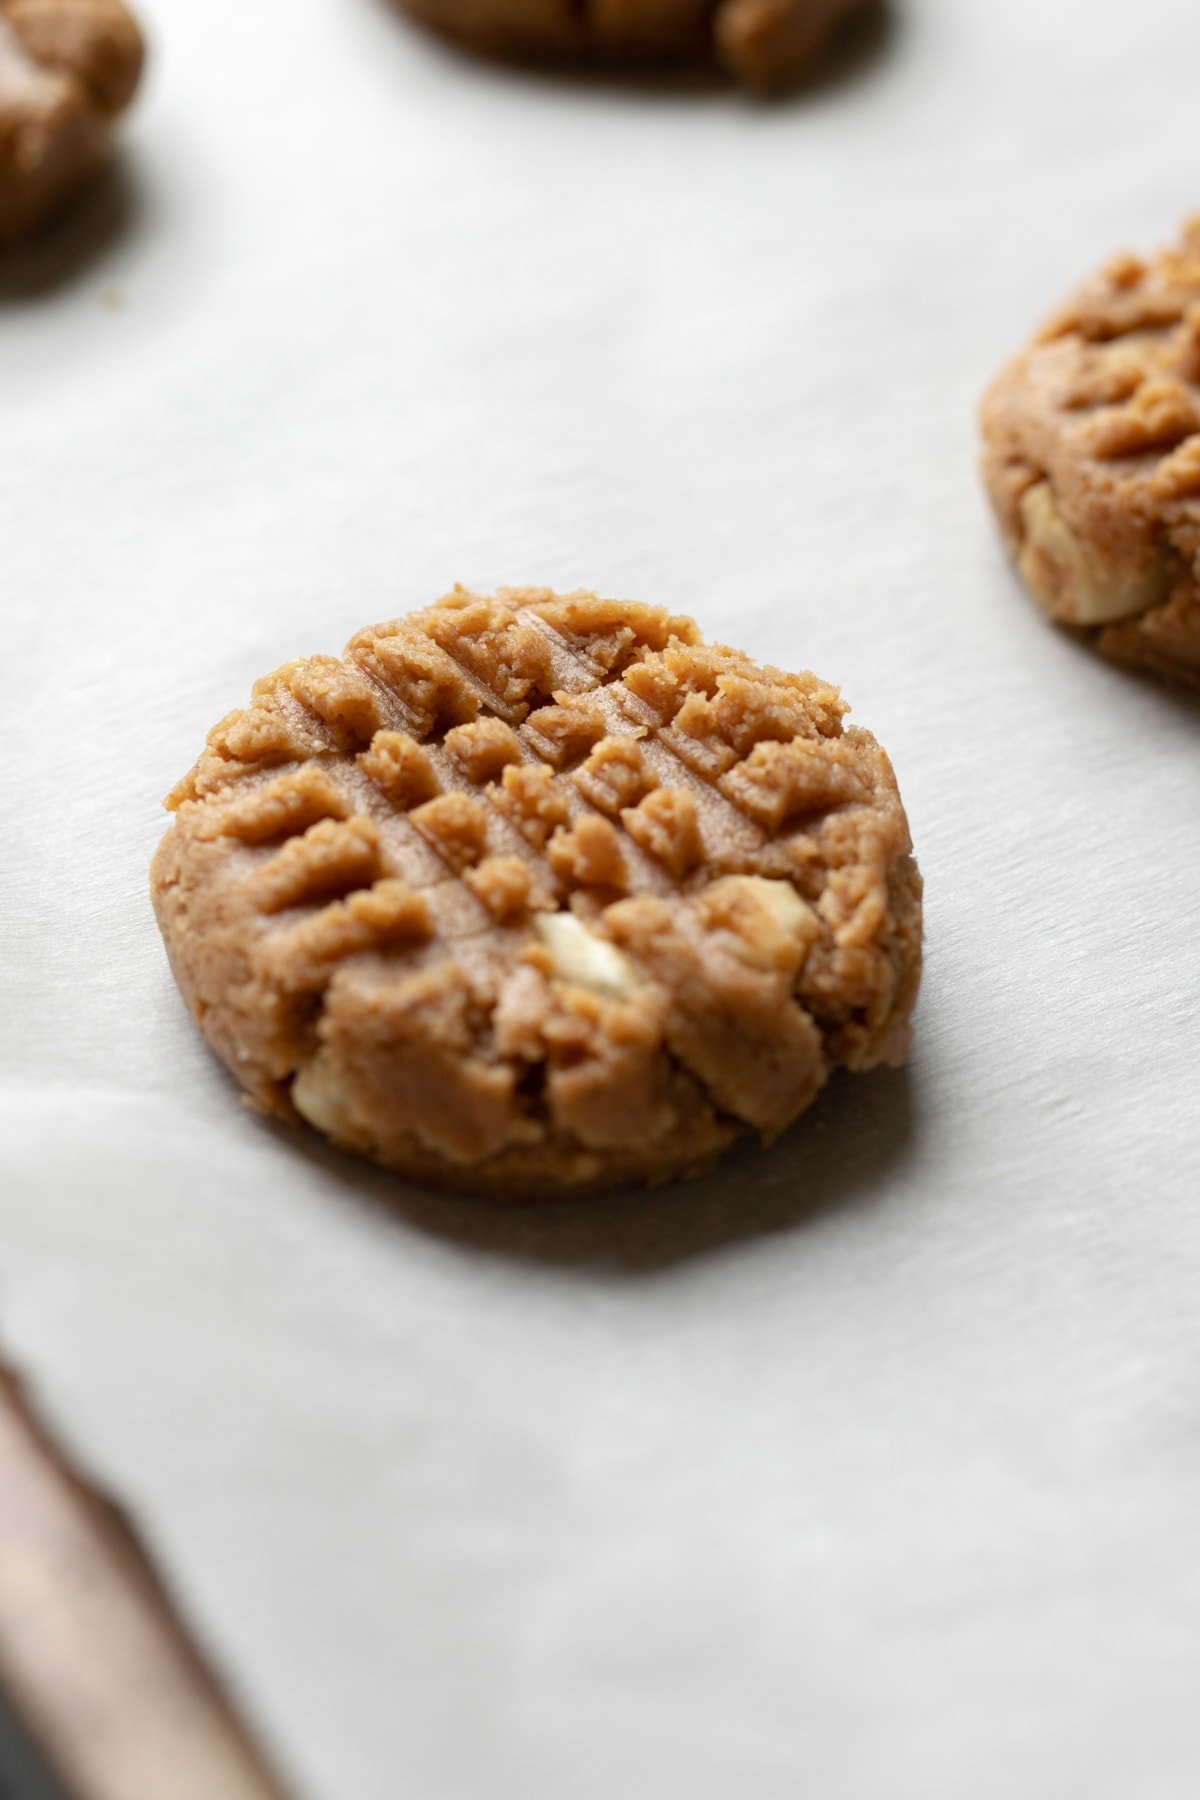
x=763, y=922
x=1064, y=578
x=582, y=959
x=781, y=900
x=316, y=1099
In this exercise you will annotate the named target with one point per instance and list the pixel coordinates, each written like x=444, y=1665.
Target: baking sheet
x=867, y=1466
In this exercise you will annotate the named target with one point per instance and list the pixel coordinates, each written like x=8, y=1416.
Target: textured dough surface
x=765, y=44
x=67, y=68
x=538, y=892
x=1092, y=460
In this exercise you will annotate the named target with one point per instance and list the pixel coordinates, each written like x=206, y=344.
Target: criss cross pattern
x=356, y=891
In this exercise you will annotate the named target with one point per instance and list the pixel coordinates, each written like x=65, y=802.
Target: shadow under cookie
x=68, y=246
x=840, y=1155
x=1179, y=696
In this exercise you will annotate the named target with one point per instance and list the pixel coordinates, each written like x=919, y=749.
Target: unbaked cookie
x=766, y=44
x=67, y=68
x=1092, y=460
x=536, y=892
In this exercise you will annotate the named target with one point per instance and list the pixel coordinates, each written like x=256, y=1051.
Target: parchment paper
x=868, y=1468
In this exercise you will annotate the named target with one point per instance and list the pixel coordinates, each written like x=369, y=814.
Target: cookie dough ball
x=67, y=68
x=1092, y=461
x=766, y=44
x=536, y=893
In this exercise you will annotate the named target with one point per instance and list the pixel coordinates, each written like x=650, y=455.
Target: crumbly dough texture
x=539, y=892
x=765, y=44
x=1092, y=460
x=67, y=68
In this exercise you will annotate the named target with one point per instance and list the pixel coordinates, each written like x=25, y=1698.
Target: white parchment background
x=868, y=1469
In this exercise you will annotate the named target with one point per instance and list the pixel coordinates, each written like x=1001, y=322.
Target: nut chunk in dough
x=1092, y=460
x=67, y=68
x=764, y=44
x=537, y=892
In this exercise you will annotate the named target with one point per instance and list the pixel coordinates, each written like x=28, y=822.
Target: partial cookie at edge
x=1092, y=461
x=67, y=69
x=767, y=45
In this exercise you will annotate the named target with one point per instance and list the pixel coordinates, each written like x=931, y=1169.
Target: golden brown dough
x=1092, y=461
x=765, y=44
x=67, y=68
x=538, y=892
